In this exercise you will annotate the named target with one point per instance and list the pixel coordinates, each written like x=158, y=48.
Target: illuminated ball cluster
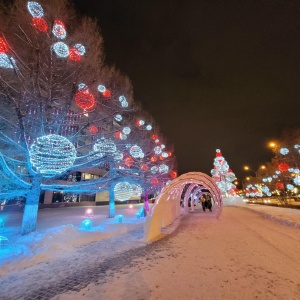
x=136, y=151
x=37, y=13
x=59, y=29
x=61, y=49
x=84, y=99
x=104, y=146
x=157, y=150
x=52, y=154
x=104, y=91
x=123, y=191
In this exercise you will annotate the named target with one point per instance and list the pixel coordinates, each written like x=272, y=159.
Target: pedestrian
x=203, y=202
x=208, y=202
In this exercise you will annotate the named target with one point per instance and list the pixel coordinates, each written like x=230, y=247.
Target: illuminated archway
x=167, y=204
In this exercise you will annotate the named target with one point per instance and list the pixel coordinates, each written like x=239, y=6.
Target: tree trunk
x=146, y=202
x=31, y=207
x=112, y=211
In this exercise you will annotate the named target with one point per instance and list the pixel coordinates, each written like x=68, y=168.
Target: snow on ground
x=242, y=255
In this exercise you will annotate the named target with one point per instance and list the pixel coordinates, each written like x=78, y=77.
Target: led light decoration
x=101, y=88
x=154, y=181
x=128, y=161
x=126, y=130
x=140, y=122
x=279, y=186
x=136, y=151
x=148, y=127
x=154, y=169
x=74, y=54
x=164, y=155
x=52, y=154
x=162, y=146
x=93, y=129
x=84, y=99
x=136, y=190
x=106, y=93
x=157, y=150
x=82, y=86
x=35, y=9
x=218, y=153
x=144, y=167
x=61, y=49
x=104, y=146
x=118, y=118
x=118, y=155
x=297, y=180
x=80, y=49
x=277, y=172
x=5, y=61
x=122, y=99
x=154, y=137
x=86, y=224
x=40, y=24
x=283, y=167
x=153, y=158
x=123, y=191
x=163, y=169
x=290, y=187
x=284, y=151
x=3, y=46
x=173, y=174
x=124, y=104
x=59, y=30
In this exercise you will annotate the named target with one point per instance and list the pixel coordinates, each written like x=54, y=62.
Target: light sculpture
x=123, y=191
x=118, y=118
x=104, y=146
x=126, y=130
x=163, y=169
x=35, y=9
x=136, y=151
x=61, y=49
x=40, y=24
x=59, y=30
x=5, y=61
x=157, y=150
x=148, y=127
x=84, y=99
x=52, y=154
x=154, y=169
x=284, y=151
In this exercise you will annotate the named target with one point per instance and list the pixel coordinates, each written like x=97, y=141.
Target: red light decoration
x=59, y=29
x=173, y=174
x=3, y=46
x=93, y=129
x=154, y=181
x=279, y=185
x=161, y=157
x=40, y=24
x=84, y=99
x=153, y=158
x=218, y=154
x=154, y=137
x=138, y=123
x=169, y=154
x=118, y=134
x=74, y=54
x=283, y=167
x=157, y=142
x=106, y=93
x=129, y=161
x=144, y=167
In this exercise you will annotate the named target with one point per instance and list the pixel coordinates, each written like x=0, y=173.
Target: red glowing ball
x=218, y=154
x=161, y=157
x=129, y=161
x=154, y=137
x=93, y=129
x=59, y=29
x=173, y=174
x=84, y=99
x=169, y=154
x=118, y=134
x=153, y=158
x=283, y=167
x=106, y=93
x=144, y=167
x=138, y=123
x=279, y=186
x=154, y=181
x=3, y=46
x=40, y=24
x=74, y=54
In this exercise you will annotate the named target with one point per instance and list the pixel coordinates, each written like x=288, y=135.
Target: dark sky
x=213, y=74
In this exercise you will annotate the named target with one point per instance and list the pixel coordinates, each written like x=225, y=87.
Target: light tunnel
x=167, y=204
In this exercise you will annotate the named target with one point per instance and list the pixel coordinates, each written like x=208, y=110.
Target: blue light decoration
x=274, y=176
x=291, y=170
x=154, y=169
x=124, y=104
x=118, y=118
x=122, y=99
x=59, y=30
x=126, y=130
x=277, y=172
x=265, y=179
x=157, y=150
x=284, y=151
x=297, y=180
x=52, y=154
x=163, y=169
x=80, y=49
x=4, y=242
x=86, y=224
x=61, y=49
x=5, y=61
x=101, y=88
x=123, y=191
x=290, y=187
x=104, y=146
x=269, y=179
x=136, y=151
x=35, y=9
x=296, y=146
x=149, y=127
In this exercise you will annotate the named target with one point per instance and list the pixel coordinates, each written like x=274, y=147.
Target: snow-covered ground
x=243, y=255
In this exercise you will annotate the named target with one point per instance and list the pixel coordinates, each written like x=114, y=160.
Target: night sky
x=213, y=74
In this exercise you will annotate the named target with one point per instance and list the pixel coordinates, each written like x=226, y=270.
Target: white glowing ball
x=118, y=155
x=122, y=99
x=277, y=172
x=157, y=150
x=52, y=154
x=164, y=155
x=163, y=169
x=82, y=86
x=123, y=191
x=154, y=169
x=162, y=146
x=136, y=151
x=148, y=127
x=118, y=118
x=124, y=104
x=126, y=130
x=59, y=30
x=136, y=190
x=5, y=61
x=123, y=136
x=296, y=146
x=35, y=9
x=290, y=187
x=104, y=146
x=101, y=88
x=61, y=49
x=284, y=151
x=80, y=48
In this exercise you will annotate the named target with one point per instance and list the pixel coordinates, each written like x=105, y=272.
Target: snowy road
x=240, y=256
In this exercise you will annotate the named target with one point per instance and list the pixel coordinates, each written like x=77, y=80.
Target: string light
x=5, y=62
x=59, y=30
x=61, y=49
x=123, y=191
x=52, y=154
x=104, y=146
x=35, y=9
x=40, y=24
x=84, y=99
